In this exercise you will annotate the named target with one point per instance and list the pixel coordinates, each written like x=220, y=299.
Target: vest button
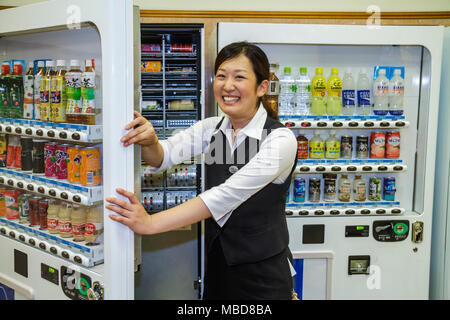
x=233, y=169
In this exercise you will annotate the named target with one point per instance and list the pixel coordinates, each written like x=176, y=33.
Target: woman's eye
x=220, y=76
x=240, y=77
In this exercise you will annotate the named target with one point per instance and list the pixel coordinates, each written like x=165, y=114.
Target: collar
x=253, y=129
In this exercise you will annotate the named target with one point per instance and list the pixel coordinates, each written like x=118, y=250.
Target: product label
x=93, y=228
x=335, y=87
x=302, y=150
x=274, y=88
x=363, y=98
x=381, y=89
x=78, y=229
x=332, y=150
x=52, y=223
x=65, y=227
x=348, y=97
x=316, y=150
x=319, y=87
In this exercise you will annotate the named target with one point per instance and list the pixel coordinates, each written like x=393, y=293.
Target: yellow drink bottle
x=318, y=91
x=334, y=90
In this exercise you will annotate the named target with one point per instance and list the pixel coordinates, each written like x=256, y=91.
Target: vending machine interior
x=172, y=95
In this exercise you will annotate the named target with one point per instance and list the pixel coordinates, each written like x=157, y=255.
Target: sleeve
x=185, y=144
x=274, y=159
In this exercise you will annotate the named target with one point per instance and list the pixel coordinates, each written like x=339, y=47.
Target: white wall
x=280, y=5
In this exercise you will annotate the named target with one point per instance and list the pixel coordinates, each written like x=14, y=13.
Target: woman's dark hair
x=258, y=59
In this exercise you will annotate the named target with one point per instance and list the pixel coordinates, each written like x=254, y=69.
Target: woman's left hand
x=131, y=214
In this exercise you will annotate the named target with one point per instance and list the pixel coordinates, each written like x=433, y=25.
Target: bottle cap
x=287, y=69
x=319, y=71
x=74, y=63
x=60, y=63
x=50, y=63
x=334, y=70
x=303, y=70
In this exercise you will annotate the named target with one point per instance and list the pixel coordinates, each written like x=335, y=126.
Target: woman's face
x=235, y=88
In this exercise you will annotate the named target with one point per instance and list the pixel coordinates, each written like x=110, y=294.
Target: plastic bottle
x=94, y=226
x=303, y=93
x=396, y=93
x=318, y=91
x=334, y=91
x=287, y=93
x=73, y=91
x=381, y=94
x=302, y=147
x=28, y=91
x=64, y=221
x=332, y=146
x=78, y=219
x=316, y=146
x=45, y=90
x=271, y=96
x=348, y=93
x=363, y=93
x=16, y=92
x=4, y=90
x=88, y=94
x=58, y=93
x=37, y=90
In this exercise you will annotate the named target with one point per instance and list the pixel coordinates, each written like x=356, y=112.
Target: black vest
x=257, y=229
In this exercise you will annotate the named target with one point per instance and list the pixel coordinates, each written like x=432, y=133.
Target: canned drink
x=43, y=206
x=39, y=156
x=90, y=169
x=346, y=147
x=62, y=157
x=377, y=144
x=73, y=164
x=299, y=189
x=3, y=150
x=374, y=189
x=329, y=193
x=389, y=189
x=362, y=147
x=392, y=144
x=13, y=152
x=26, y=155
x=2, y=202
x=34, y=211
x=314, y=190
x=24, y=207
x=12, y=205
x=50, y=159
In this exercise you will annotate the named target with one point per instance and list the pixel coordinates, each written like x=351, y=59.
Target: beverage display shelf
x=345, y=124
x=70, y=132
x=52, y=187
x=341, y=117
x=82, y=253
x=161, y=188
x=344, y=208
x=365, y=166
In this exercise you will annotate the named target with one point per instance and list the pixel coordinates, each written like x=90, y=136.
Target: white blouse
x=272, y=164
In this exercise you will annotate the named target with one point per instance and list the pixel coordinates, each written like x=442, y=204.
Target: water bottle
x=396, y=92
x=348, y=93
x=303, y=93
x=287, y=93
x=363, y=93
x=381, y=94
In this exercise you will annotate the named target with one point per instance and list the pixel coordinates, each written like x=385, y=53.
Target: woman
x=250, y=158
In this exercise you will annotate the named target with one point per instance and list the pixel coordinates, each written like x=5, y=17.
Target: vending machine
x=360, y=208
x=88, y=256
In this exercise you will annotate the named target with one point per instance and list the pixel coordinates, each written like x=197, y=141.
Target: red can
x=34, y=211
x=62, y=157
x=392, y=144
x=377, y=144
x=50, y=159
x=12, y=204
x=43, y=206
x=13, y=158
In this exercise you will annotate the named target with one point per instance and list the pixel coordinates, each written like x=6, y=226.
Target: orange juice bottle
x=90, y=169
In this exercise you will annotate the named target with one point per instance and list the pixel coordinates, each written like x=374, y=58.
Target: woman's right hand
x=142, y=134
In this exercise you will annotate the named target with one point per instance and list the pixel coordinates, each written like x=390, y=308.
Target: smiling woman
x=244, y=203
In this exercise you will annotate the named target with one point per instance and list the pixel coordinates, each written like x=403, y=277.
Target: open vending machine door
x=56, y=239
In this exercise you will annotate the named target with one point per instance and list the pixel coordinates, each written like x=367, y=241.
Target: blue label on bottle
x=380, y=112
x=396, y=112
x=363, y=98
x=348, y=97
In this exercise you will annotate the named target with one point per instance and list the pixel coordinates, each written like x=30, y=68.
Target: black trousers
x=268, y=279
